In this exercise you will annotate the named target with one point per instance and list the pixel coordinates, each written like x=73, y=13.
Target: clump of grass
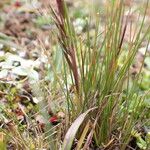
x=104, y=106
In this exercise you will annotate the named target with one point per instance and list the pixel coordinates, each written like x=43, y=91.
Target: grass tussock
x=103, y=107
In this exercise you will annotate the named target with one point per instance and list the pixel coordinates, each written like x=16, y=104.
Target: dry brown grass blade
x=71, y=133
x=84, y=133
x=69, y=50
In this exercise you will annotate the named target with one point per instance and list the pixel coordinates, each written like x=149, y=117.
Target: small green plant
x=104, y=106
x=91, y=84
